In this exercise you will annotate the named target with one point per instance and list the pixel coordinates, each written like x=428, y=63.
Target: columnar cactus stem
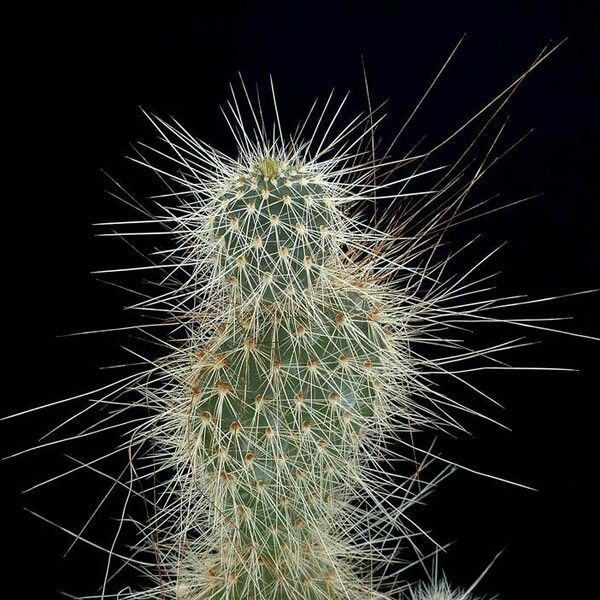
x=298, y=351
x=286, y=393
x=296, y=367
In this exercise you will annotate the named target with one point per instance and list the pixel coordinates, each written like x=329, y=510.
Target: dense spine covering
x=286, y=394
x=300, y=327
x=439, y=590
x=294, y=367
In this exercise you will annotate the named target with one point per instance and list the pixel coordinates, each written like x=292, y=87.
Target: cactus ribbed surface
x=283, y=394
x=274, y=234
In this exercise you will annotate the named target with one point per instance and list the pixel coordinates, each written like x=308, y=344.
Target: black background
x=76, y=78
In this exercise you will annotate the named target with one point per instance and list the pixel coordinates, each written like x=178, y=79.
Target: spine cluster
x=287, y=396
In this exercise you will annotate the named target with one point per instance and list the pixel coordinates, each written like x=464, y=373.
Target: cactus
x=282, y=390
x=439, y=590
x=297, y=368
x=297, y=359
x=293, y=384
